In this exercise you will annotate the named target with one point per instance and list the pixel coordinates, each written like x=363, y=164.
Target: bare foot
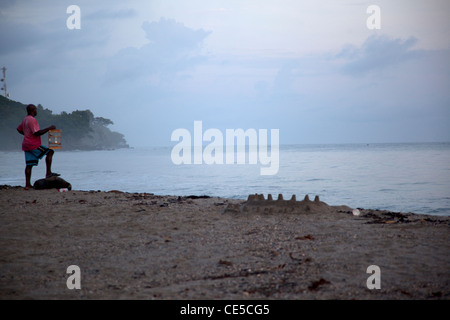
x=28, y=188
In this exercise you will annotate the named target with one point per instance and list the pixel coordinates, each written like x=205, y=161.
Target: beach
x=147, y=246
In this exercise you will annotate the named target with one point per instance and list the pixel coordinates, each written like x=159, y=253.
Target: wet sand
x=145, y=246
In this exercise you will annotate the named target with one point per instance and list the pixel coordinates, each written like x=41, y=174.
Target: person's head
x=31, y=110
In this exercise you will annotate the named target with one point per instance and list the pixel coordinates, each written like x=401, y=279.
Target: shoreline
x=146, y=246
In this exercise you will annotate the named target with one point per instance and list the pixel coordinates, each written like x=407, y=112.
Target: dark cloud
x=49, y=51
x=377, y=53
x=8, y=3
x=50, y=37
x=16, y=37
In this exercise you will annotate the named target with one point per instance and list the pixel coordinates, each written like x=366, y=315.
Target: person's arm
x=20, y=128
x=43, y=131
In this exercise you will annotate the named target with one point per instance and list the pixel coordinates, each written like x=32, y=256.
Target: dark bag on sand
x=51, y=183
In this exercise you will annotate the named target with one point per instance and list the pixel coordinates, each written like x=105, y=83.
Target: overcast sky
x=312, y=69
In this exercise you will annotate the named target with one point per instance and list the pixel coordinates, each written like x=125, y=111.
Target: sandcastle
x=256, y=203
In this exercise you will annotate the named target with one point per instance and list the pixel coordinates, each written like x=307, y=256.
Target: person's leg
x=30, y=161
x=28, y=177
x=48, y=162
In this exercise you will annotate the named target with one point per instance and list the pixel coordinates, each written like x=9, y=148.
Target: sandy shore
x=144, y=246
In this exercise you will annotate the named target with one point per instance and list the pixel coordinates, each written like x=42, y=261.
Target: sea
x=400, y=177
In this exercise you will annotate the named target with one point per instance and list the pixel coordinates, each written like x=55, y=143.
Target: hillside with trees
x=81, y=130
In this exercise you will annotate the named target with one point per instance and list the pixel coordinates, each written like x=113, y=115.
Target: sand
x=145, y=246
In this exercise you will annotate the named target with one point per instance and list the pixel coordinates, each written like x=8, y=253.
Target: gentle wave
x=396, y=177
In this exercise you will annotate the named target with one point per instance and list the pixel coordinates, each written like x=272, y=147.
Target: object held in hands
x=55, y=139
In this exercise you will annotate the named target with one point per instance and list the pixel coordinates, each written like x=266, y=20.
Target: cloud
x=112, y=14
x=8, y=3
x=23, y=36
x=377, y=53
x=168, y=34
x=47, y=38
x=172, y=47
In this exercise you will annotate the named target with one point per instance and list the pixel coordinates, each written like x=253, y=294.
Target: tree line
x=81, y=129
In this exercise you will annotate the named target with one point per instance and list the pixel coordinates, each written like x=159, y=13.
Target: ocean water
x=398, y=177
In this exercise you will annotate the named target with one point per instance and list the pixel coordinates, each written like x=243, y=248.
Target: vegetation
x=81, y=129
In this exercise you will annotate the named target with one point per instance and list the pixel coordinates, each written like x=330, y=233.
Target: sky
x=312, y=69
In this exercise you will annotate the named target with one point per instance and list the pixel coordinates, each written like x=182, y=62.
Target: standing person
x=31, y=144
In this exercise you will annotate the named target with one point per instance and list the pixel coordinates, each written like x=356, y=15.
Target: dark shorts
x=32, y=157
